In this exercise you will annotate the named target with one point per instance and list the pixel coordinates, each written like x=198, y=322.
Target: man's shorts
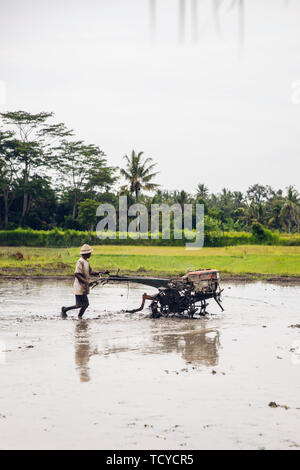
x=82, y=300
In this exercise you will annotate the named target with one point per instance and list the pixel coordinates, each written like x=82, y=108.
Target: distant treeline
x=50, y=180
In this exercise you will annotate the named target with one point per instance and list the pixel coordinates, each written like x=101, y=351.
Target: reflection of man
x=83, y=271
x=82, y=350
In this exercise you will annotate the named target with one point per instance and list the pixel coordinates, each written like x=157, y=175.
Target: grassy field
x=158, y=261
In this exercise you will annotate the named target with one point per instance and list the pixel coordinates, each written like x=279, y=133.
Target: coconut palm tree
x=274, y=213
x=202, y=191
x=181, y=21
x=290, y=212
x=182, y=197
x=139, y=173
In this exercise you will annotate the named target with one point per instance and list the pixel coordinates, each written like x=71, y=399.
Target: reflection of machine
x=198, y=346
x=178, y=295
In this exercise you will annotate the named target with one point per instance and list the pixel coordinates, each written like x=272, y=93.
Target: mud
x=117, y=380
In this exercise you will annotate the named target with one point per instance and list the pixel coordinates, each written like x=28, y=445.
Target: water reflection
x=241, y=23
x=194, y=20
x=181, y=22
x=196, y=346
x=153, y=18
x=83, y=350
x=217, y=7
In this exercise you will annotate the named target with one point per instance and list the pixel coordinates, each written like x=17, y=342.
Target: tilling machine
x=184, y=296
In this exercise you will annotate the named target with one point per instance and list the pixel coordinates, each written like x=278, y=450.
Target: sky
x=212, y=98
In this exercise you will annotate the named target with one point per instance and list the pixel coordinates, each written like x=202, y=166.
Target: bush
x=264, y=236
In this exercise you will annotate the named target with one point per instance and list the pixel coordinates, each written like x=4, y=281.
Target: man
x=82, y=283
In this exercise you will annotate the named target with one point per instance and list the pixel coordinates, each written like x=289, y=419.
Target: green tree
x=36, y=137
x=82, y=168
x=290, y=211
x=139, y=173
x=87, y=213
x=257, y=193
x=8, y=171
x=202, y=191
x=182, y=197
x=273, y=208
x=42, y=203
x=162, y=196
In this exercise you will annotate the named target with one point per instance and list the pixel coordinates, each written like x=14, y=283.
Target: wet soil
x=118, y=380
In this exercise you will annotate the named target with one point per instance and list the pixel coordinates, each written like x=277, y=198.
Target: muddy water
x=117, y=380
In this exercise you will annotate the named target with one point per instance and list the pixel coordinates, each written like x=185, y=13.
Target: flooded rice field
x=125, y=381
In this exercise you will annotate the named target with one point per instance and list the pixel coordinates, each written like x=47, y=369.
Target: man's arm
x=97, y=273
x=81, y=279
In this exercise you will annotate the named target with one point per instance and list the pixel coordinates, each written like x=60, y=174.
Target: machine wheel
x=165, y=310
x=191, y=310
x=203, y=306
x=154, y=309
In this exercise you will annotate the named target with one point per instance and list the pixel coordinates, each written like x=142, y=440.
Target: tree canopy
x=48, y=179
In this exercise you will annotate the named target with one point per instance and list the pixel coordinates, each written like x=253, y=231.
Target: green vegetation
x=50, y=180
x=138, y=174
x=240, y=260
x=69, y=238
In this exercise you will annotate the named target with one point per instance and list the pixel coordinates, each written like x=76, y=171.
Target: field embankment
x=240, y=261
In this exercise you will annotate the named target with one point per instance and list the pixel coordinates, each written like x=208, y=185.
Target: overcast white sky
x=204, y=111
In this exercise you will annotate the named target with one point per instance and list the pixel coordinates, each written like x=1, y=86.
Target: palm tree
x=202, y=191
x=162, y=197
x=225, y=196
x=139, y=173
x=290, y=212
x=274, y=213
x=238, y=198
x=182, y=197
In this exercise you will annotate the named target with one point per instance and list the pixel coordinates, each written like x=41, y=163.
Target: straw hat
x=86, y=249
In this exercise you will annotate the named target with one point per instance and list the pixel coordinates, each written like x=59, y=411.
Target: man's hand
x=97, y=273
